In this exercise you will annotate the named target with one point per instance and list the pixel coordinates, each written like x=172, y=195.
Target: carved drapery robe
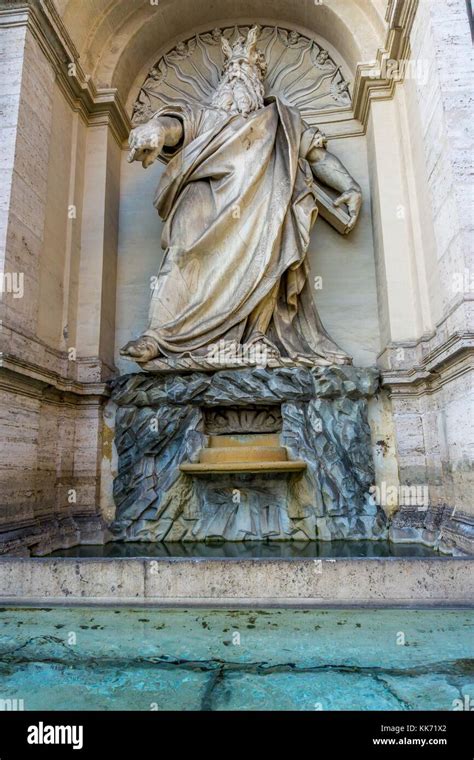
x=237, y=202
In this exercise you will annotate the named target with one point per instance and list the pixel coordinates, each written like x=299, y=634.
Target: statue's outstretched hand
x=353, y=199
x=146, y=143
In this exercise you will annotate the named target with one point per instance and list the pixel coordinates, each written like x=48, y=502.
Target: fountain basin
x=262, y=659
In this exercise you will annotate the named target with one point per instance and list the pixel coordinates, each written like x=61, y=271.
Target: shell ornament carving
x=296, y=69
x=225, y=420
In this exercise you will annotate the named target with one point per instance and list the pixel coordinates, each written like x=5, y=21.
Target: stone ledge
x=167, y=582
x=30, y=380
x=427, y=364
x=207, y=468
x=27, y=355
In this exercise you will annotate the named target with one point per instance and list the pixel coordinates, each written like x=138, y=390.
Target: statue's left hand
x=353, y=199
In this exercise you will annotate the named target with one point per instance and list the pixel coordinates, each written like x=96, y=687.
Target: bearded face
x=239, y=91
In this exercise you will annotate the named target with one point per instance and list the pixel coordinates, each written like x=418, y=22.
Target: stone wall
x=430, y=377
x=48, y=469
x=50, y=380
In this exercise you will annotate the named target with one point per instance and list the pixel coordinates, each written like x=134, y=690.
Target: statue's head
x=241, y=87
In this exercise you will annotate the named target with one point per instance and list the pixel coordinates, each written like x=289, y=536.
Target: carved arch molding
x=299, y=71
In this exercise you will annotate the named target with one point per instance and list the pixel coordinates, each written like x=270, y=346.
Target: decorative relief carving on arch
x=298, y=70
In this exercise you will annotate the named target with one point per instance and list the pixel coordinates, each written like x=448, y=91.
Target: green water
x=277, y=659
x=252, y=549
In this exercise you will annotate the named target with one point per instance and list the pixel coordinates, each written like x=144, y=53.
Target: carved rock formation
x=161, y=422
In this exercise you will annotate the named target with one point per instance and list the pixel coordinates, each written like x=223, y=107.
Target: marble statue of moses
x=238, y=202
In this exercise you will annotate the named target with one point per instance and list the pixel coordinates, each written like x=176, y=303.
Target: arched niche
x=116, y=40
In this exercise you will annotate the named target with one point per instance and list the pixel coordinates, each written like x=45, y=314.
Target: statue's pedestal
x=319, y=417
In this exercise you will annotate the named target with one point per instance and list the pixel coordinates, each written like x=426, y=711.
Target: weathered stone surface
x=229, y=387
x=450, y=531
x=161, y=423
x=325, y=582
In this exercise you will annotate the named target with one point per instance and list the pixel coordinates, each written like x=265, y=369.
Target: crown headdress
x=245, y=50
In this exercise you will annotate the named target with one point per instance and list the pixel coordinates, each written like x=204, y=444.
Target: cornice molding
x=96, y=106
x=369, y=83
x=442, y=364
x=27, y=379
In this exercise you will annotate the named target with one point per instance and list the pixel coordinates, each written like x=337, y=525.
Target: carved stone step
x=243, y=454
x=249, y=439
x=231, y=467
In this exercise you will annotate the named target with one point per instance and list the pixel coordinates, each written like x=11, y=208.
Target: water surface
x=252, y=549
x=277, y=659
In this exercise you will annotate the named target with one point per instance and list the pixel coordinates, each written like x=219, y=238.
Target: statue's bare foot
x=142, y=350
